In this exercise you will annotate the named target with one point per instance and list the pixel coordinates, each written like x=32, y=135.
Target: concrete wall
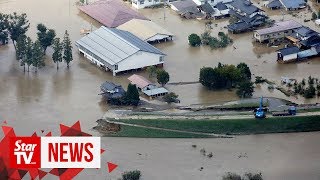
x=139, y=60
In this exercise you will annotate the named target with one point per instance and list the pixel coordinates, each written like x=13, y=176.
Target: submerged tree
x=132, y=95
x=57, y=51
x=29, y=49
x=37, y=55
x=245, y=70
x=163, y=77
x=152, y=71
x=4, y=28
x=245, y=89
x=21, y=52
x=18, y=25
x=67, y=49
x=194, y=40
x=45, y=36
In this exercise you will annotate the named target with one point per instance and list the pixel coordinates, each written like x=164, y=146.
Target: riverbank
x=204, y=128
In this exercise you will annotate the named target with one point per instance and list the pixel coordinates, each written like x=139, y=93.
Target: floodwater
x=30, y=101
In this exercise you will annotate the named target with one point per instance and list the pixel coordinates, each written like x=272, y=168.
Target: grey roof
x=274, y=4
x=244, y=6
x=113, y=45
x=155, y=91
x=293, y=3
x=289, y=50
x=279, y=27
x=206, y=7
x=311, y=41
x=108, y=86
x=220, y=6
x=305, y=31
x=185, y=5
x=239, y=27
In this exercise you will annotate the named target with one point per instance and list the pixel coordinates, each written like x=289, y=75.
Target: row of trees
x=30, y=53
x=221, y=41
x=308, y=89
x=226, y=76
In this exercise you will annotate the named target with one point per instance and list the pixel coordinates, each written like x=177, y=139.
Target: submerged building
x=118, y=51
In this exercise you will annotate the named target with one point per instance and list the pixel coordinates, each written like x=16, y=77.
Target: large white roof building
x=118, y=50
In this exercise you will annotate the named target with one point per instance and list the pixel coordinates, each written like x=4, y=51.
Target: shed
x=117, y=50
x=146, y=86
x=111, y=13
x=146, y=30
x=288, y=54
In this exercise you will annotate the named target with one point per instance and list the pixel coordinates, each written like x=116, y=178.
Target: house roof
x=206, y=7
x=311, y=41
x=139, y=81
x=108, y=86
x=244, y=6
x=239, y=26
x=305, y=31
x=144, y=29
x=274, y=4
x=113, y=45
x=183, y=6
x=289, y=50
x=293, y=3
x=221, y=6
x=111, y=13
x=280, y=26
x=156, y=91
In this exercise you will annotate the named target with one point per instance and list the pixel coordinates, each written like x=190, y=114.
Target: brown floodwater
x=30, y=101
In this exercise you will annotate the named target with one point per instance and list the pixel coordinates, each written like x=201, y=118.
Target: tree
x=206, y=37
x=194, y=40
x=18, y=25
x=67, y=49
x=21, y=52
x=57, y=54
x=132, y=95
x=231, y=176
x=37, y=55
x=152, y=71
x=3, y=28
x=310, y=92
x=45, y=36
x=245, y=89
x=314, y=16
x=163, y=77
x=131, y=175
x=244, y=70
x=170, y=98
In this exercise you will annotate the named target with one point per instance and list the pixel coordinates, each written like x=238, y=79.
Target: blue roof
x=293, y=3
x=134, y=40
x=289, y=50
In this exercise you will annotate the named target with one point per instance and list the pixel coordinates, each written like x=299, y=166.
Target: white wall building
x=139, y=4
x=118, y=50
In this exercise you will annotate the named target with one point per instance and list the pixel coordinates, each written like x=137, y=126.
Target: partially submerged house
x=118, y=51
x=187, y=9
x=111, y=90
x=249, y=16
x=147, y=30
x=111, y=13
x=304, y=33
x=140, y=4
x=274, y=4
x=147, y=87
x=310, y=42
x=277, y=32
x=288, y=54
x=221, y=10
x=290, y=5
x=207, y=10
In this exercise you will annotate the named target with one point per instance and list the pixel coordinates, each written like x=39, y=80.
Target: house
x=187, y=9
x=249, y=16
x=274, y=4
x=145, y=86
x=118, y=51
x=147, y=30
x=304, y=33
x=310, y=42
x=112, y=91
x=288, y=54
x=207, y=10
x=290, y=5
x=221, y=10
x=111, y=13
x=140, y=4
x=278, y=31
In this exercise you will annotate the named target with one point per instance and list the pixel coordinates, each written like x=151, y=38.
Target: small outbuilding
x=288, y=54
x=147, y=30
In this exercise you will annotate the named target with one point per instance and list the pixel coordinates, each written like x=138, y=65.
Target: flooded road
x=30, y=101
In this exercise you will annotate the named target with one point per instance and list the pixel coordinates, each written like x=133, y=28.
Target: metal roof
x=144, y=29
x=156, y=91
x=274, y=4
x=221, y=6
x=280, y=26
x=185, y=5
x=305, y=31
x=113, y=45
x=111, y=13
x=139, y=81
x=206, y=7
x=289, y=50
x=244, y=6
x=293, y=3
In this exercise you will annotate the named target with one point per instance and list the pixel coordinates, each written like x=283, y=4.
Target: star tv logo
x=54, y=152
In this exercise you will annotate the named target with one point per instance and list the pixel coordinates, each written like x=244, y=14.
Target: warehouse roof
x=280, y=26
x=113, y=45
x=144, y=29
x=111, y=13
